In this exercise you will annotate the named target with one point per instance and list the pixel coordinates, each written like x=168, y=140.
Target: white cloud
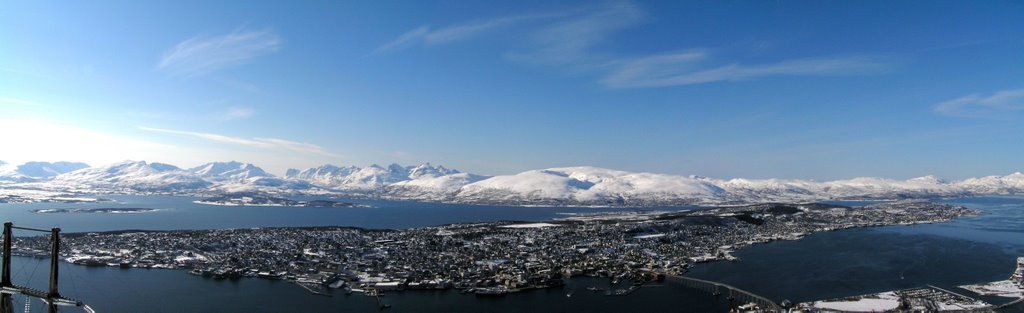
x=426, y=35
x=204, y=54
x=572, y=40
x=978, y=105
x=262, y=143
x=238, y=113
x=406, y=39
x=685, y=68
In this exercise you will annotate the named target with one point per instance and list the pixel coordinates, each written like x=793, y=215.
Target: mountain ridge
x=581, y=185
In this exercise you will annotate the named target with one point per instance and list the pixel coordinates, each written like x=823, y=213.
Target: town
x=496, y=258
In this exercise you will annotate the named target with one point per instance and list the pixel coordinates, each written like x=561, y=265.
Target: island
x=486, y=259
x=254, y=199
x=96, y=210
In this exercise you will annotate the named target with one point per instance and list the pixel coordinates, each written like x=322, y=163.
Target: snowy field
x=871, y=303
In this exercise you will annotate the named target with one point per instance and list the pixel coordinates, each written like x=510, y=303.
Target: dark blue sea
x=820, y=266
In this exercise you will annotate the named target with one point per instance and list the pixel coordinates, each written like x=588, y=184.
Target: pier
x=733, y=293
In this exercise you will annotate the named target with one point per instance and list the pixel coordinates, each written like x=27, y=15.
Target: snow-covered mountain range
x=36, y=171
x=426, y=182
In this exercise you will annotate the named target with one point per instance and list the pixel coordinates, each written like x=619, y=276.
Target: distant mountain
x=427, y=170
x=324, y=175
x=589, y=185
x=264, y=184
x=370, y=178
x=131, y=176
x=428, y=187
x=48, y=170
x=554, y=186
x=1009, y=184
x=36, y=171
x=228, y=171
x=754, y=190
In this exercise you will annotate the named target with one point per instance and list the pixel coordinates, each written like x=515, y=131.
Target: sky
x=756, y=89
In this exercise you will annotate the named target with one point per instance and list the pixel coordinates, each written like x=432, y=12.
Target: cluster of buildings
x=483, y=258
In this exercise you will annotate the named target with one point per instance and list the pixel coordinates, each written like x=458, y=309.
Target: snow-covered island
x=252, y=199
x=507, y=256
x=17, y=195
x=97, y=210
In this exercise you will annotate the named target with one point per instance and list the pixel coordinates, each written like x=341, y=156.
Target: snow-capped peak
x=929, y=179
x=229, y=171
x=427, y=170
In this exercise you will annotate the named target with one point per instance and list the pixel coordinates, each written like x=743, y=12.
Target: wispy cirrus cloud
x=262, y=143
x=571, y=39
x=427, y=35
x=980, y=105
x=202, y=55
x=688, y=68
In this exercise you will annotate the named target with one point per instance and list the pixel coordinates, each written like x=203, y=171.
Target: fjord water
x=176, y=213
x=825, y=265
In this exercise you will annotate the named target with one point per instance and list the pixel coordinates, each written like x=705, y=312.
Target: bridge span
x=733, y=293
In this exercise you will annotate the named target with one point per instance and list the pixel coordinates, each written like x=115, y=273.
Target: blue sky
x=792, y=89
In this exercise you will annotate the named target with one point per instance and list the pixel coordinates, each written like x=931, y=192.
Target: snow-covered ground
x=872, y=303
x=529, y=225
x=1002, y=288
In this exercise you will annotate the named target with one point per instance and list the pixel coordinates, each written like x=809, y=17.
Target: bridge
x=51, y=297
x=733, y=293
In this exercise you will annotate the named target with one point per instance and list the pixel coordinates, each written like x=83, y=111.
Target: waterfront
x=820, y=266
